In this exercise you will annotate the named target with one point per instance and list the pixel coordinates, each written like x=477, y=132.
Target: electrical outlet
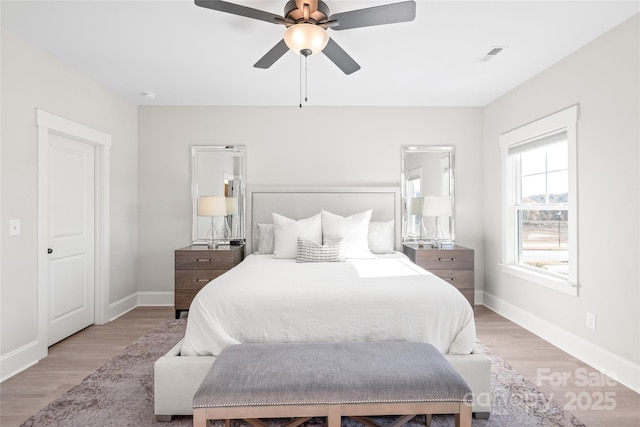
x=14, y=227
x=591, y=321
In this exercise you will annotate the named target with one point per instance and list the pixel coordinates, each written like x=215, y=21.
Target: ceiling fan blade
x=272, y=56
x=338, y=56
x=377, y=15
x=236, y=9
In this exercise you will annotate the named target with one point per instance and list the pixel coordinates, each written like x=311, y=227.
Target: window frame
x=565, y=120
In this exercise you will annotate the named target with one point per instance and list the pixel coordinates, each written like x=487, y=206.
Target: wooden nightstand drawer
x=455, y=265
x=195, y=279
x=195, y=266
x=183, y=300
x=461, y=279
x=447, y=259
x=206, y=260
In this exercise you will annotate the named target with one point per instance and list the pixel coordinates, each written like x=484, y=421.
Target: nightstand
x=454, y=264
x=195, y=266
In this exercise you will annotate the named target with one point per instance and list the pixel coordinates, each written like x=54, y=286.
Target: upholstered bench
x=253, y=381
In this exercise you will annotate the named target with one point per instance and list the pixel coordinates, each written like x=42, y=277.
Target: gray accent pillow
x=265, y=238
x=310, y=251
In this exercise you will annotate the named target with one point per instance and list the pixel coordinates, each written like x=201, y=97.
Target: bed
x=280, y=293
x=386, y=298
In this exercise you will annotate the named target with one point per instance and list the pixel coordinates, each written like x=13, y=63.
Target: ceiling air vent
x=492, y=53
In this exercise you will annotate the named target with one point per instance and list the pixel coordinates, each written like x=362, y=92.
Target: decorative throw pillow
x=381, y=237
x=265, y=238
x=286, y=232
x=352, y=229
x=309, y=251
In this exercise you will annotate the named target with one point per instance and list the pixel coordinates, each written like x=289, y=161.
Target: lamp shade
x=305, y=36
x=212, y=206
x=436, y=206
x=416, y=205
x=232, y=205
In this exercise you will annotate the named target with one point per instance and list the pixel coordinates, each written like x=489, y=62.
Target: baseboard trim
x=155, y=298
x=118, y=308
x=478, y=298
x=620, y=369
x=139, y=299
x=20, y=359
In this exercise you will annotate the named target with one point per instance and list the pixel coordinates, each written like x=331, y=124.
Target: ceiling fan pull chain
x=305, y=53
x=300, y=88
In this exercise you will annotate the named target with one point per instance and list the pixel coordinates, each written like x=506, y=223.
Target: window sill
x=561, y=285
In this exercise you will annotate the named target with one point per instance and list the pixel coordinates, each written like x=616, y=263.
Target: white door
x=71, y=236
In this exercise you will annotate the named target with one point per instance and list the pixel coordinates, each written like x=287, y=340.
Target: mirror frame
x=239, y=151
x=441, y=149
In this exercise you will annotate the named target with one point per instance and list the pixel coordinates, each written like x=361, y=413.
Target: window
x=540, y=222
x=541, y=204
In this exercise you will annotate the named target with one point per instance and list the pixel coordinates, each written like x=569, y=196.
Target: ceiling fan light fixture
x=306, y=37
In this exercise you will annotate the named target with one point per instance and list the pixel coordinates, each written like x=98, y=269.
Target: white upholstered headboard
x=298, y=203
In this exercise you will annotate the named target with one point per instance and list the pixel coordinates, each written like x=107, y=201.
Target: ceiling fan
x=307, y=22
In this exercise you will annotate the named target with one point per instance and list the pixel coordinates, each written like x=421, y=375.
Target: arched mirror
x=428, y=196
x=218, y=178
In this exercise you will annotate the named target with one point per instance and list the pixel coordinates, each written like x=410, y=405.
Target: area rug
x=120, y=393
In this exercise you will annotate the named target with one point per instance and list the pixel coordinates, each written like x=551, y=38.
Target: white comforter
x=264, y=299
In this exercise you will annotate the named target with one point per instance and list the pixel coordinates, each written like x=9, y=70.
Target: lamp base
x=436, y=241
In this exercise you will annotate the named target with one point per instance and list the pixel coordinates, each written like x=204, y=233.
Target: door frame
x=51, y=124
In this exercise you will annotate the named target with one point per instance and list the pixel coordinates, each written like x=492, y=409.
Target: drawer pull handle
x=453, y=279
x=446, y=259
x=202, y=280
x=203, y=259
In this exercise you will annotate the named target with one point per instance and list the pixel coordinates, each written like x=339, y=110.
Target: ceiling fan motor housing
x=294, y=11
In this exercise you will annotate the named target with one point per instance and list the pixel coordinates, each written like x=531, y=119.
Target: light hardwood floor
x=577, y=387
x=76, y=357
x=72, y=359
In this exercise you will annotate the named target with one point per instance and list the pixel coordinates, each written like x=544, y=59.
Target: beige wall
x=32, y=80
x=603, y=78
x=293, y=147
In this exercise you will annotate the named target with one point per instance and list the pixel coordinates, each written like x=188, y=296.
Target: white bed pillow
x=353, y=230
x=265, y=238
x=381, y=239
x=286, y=232
x=309, y=251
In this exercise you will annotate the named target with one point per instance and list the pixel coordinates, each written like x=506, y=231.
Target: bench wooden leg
x=334, y=419
x=427, y=419
x=200, y=417
x=463, y=419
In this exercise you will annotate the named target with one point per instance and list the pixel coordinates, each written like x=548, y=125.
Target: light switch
x=14, y=227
